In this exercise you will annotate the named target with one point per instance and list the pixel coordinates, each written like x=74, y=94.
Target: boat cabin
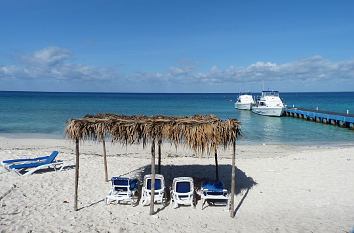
x=270, y=93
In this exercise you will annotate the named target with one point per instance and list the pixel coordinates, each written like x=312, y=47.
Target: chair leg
x=134, y=198
x=228, y=205
x=142, y=198
x=145, y=199
x=175, y=204
x=203, y=203
x=193, y=203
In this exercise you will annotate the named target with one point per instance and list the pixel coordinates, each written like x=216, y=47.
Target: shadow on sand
x=47, y=170
x=202, y=173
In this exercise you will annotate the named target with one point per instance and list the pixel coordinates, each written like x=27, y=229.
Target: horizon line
x=103, y=92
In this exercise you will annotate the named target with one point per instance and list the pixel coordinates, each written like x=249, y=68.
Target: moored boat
x=269, y=104
x=244, y=101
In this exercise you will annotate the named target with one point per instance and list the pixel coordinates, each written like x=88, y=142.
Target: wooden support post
x=153, y=176
x=76, y=175
x=159, y=160
x=105, y=159
x=216, y=165
x=233, y=180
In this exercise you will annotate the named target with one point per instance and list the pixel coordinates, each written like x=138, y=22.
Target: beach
x=279, y=188
x=249, y=104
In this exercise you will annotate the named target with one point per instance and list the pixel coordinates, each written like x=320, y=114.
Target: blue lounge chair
x=7, y=163
x=37, y=165
x=182, y=192
x=214, y=192
x=123, y=189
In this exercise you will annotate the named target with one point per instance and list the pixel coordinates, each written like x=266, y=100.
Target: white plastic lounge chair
x=159, y=196
x=182, y=192
x=213, y=192
x=7, y=163
x=39, y=164
x=123, y=189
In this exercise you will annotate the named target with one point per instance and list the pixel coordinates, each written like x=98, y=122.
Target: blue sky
x=176, y=46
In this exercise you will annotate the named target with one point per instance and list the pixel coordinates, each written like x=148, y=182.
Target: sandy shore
x=280, y=188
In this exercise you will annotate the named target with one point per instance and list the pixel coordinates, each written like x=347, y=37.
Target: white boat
x=269, y=104
x=244, y=102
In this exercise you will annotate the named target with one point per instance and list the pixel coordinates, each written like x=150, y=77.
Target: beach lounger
x=123, y=189
x=18, y=168
x=160, y=196
x=213, y=192
x=182, y=192
x=7, y=163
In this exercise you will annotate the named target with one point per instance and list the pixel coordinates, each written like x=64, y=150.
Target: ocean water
x=37, y=113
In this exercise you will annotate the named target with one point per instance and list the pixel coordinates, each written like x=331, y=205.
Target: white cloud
x=49, y=56
x=306, y=69
x=55, y=63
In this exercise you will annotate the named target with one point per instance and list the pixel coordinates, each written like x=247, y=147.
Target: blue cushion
x=24, y=160
x=133, y=183
x=213, y=186
x=120, y=181
x=157, y=184
x=123, y=181
x=183, y=187
x=27, y=165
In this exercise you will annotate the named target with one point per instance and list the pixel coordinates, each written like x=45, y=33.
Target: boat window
x=270, y=93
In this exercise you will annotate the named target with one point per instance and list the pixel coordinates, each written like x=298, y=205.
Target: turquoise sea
x=39, y=113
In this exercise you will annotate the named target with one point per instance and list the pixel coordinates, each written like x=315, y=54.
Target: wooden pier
x=339, y=119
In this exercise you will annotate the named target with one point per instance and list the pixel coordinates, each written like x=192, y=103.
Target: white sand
x=280, y=189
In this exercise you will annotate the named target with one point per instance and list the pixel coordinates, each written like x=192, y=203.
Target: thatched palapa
x=203, y=133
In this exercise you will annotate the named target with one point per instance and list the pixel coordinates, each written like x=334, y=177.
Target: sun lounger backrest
x=183, y=187
x=213, y=186
x=51, y=157
x=120, y=182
